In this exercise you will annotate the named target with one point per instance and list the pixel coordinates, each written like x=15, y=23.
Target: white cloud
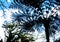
x=2, y=34
x=57, y=35
x=1, y=13
x=8, y=0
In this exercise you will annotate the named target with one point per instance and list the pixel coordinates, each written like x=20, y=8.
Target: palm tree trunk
x=47, y=34
x=46, y=25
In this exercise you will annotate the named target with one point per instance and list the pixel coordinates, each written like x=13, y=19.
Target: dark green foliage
x=23, y=36
x=29, y=25
x=33, y=3
x=58, y=0
x=8, y=25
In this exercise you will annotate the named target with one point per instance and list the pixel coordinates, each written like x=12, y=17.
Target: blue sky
x=6, y=3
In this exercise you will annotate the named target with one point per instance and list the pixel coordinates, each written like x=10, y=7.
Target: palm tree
x=44, y=21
